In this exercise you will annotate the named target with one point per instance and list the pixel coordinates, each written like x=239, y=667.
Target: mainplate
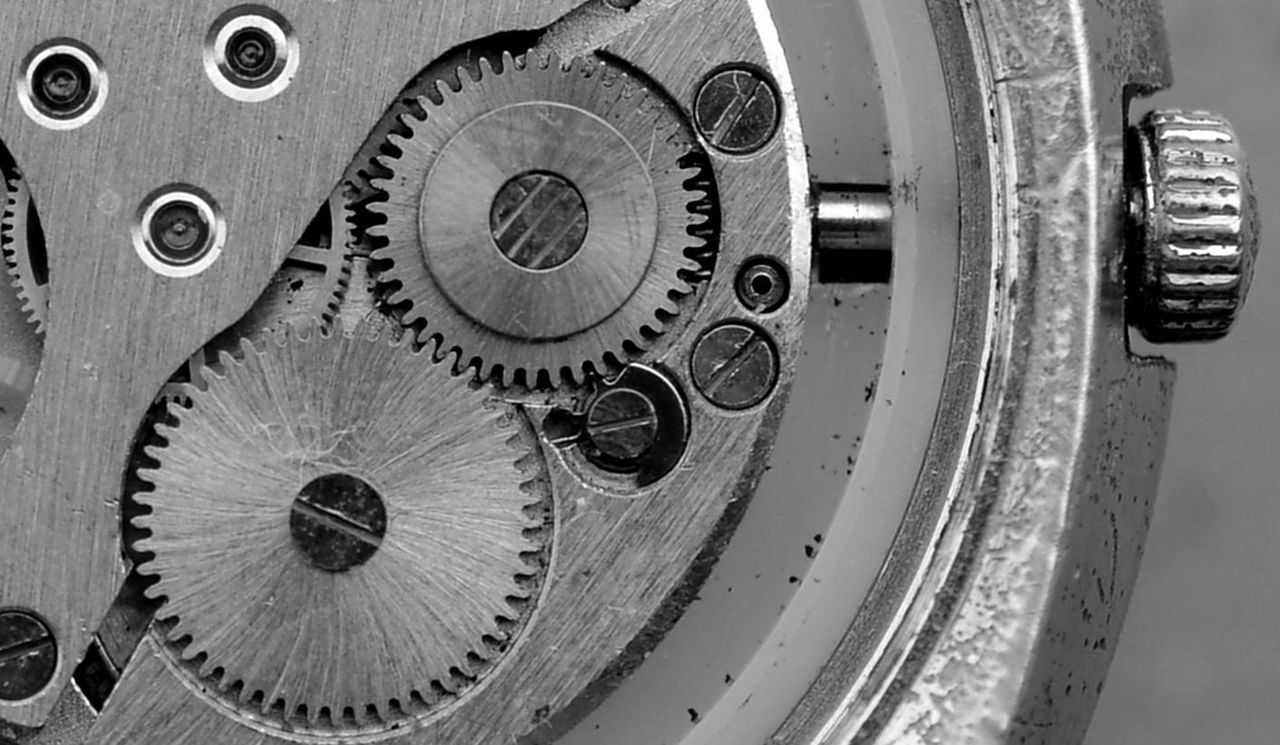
x=374, y=529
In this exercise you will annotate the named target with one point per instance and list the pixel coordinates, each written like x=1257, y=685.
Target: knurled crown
x=1196, y=228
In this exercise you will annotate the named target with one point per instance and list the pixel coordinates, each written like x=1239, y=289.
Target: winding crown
x=1196, y=227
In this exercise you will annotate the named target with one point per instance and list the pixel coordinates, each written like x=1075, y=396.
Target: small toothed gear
x=21, y=346
x=467, y=531
x=19, y=260
x=543, y=221
x=310, y=286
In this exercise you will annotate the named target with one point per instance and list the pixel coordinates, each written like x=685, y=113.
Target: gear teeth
x=486, y=69
x=337, y=295
x=442, y=91
x=400, y=297
x=515, y=63
x=467, y=74
x=515, y=79
x=378, y=208
x=18, y=259
x=509, y=440
x=387, y=161
x=342, y=241
x=176, y=394
x=433, y=346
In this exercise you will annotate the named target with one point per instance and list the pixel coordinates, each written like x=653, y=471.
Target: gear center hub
x=516, y=165
x=539, y=220
x=338, y=522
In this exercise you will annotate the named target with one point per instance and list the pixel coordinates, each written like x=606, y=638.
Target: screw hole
x=251, y=53
x=179, y=231
x=763, y=286
x=64, y=85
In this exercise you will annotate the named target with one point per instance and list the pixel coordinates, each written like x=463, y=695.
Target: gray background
x=1199, y=662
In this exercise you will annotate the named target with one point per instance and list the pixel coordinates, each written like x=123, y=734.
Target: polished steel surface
x=850, y=218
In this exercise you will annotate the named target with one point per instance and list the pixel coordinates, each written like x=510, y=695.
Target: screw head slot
x=737, y=110
x=28, y=655
x=634, y=427
x=622, y=427
x=735, y=366
x=338, y=522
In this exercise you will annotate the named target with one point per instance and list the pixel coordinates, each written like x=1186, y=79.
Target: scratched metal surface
x=1199, y=660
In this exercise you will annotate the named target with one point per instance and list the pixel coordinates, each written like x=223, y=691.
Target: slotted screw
x=735, y=366
x=737, y=110
x=338, y=522
x=623, y=425
x=28, y=655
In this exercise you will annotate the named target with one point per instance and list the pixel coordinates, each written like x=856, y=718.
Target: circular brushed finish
x=337, y=641
x=481, y=273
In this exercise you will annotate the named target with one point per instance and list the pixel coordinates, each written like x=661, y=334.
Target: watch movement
x=588, y=371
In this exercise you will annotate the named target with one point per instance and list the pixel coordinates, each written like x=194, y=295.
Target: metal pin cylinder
x=853, y=233
x=853, y=218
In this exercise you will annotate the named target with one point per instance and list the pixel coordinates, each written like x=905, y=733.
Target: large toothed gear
x=542, y=221
x=442, y=591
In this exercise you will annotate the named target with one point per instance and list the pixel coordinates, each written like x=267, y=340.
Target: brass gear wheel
x=542, y=221
x=247, y=605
